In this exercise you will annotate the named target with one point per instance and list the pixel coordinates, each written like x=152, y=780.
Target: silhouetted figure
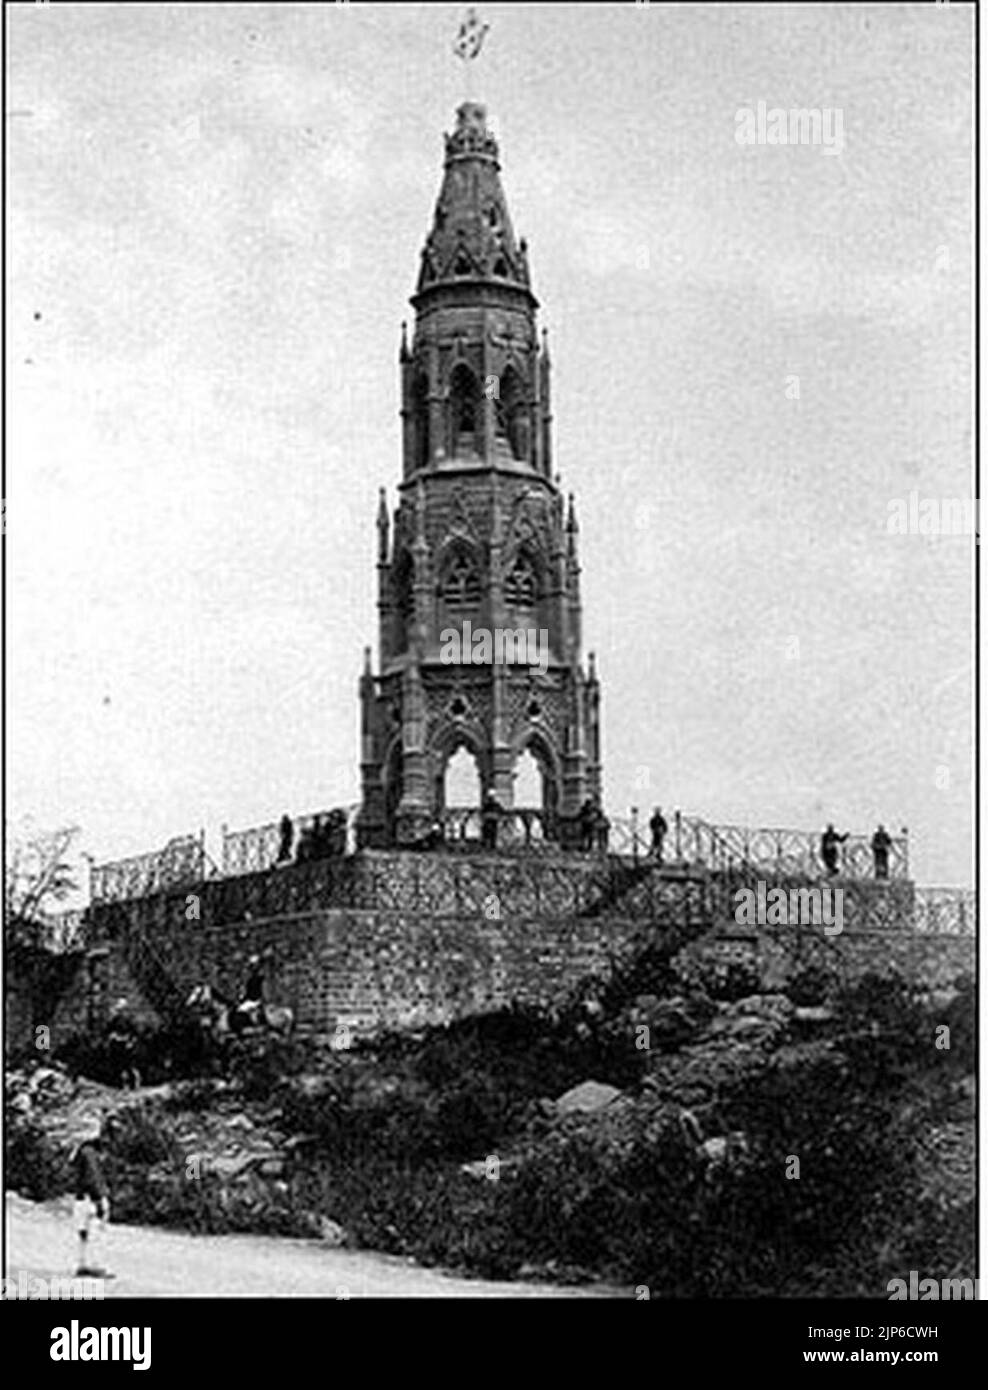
x=336, y=833
x=829, y=851
x=602, y=828
x=881, y=843
x=490, y=815
x=253, y=1000
x=588, y=824
x=286, y=832
x=659, y=828
x=92, y=1204
x=306, y=845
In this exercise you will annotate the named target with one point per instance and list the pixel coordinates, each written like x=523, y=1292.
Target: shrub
x=32, y=1166
x=812, y=985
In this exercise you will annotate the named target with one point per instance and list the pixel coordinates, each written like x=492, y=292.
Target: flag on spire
x=470, y=39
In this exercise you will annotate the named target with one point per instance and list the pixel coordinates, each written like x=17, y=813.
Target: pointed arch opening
x=528, y=781
x=393, y=788
x=403, y=599
x=420, y=407
x=511, y=414
x=459, y=585
x=523, y=584
x=464, y=413
x=535, y=781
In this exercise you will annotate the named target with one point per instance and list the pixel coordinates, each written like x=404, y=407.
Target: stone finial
x=382, y=526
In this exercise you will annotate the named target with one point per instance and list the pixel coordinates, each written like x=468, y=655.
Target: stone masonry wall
x=402, y=940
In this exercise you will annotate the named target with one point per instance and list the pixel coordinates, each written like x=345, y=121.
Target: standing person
x=286, y=833
x=602, y=827
x=489, y=817
x=659, y=827
x=881, y=843
x=828, y=848
x=92, y=1204
x=253, y=1000
x=588, y=818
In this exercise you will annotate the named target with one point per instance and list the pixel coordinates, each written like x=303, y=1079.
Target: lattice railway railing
x=181, y=863
x=293, y=839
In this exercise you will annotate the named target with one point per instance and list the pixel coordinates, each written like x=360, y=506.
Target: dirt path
x=153, y=1263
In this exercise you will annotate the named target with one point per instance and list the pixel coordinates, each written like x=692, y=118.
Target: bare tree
x=39, y=877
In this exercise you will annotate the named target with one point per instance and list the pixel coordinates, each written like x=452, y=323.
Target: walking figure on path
x=92, y=1205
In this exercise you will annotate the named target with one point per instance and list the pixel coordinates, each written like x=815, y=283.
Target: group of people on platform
x=323, y=839
x=326, y=836
x=881, y=844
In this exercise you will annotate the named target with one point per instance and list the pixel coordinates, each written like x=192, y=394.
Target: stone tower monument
x=480, y=542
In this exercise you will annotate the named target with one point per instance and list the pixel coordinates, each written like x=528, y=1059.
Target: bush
x=158, y=1052
x=32, y=1166
x=812, y=985
x=721, y=977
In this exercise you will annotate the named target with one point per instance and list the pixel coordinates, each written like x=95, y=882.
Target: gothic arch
x=464, y=417
x=420, y=409
x=392, y=768
x=446, y=740
x=459, y=583
x=537, y=742
x=403, y=596
x=524, y=584
x=511, y=412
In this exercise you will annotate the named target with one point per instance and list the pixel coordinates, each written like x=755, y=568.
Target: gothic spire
x=472, y=238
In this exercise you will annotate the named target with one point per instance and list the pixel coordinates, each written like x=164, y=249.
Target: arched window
x=511, y=414
x=421, y=416
x=464, y=412
x=528, y=783
x=461, y=780
x=403, y=596
x=460, y=586
x=521, y=588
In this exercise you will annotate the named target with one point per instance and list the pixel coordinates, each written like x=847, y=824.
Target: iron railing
x=544, y=887
x=945, y=911
x=182, y=862
x=691, y=843
x=520, y=830
x=694, y=841
x=293, y=839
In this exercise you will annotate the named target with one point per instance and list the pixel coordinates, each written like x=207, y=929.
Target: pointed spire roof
x=472, y=237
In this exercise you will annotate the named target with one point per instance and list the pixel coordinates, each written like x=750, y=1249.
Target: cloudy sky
x=214, y=221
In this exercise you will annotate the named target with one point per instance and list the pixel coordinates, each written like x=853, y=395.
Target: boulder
x=331, y=1232
x=587, y=1098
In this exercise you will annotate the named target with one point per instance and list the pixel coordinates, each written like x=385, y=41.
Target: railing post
x=679, y=835
x=634, y=834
